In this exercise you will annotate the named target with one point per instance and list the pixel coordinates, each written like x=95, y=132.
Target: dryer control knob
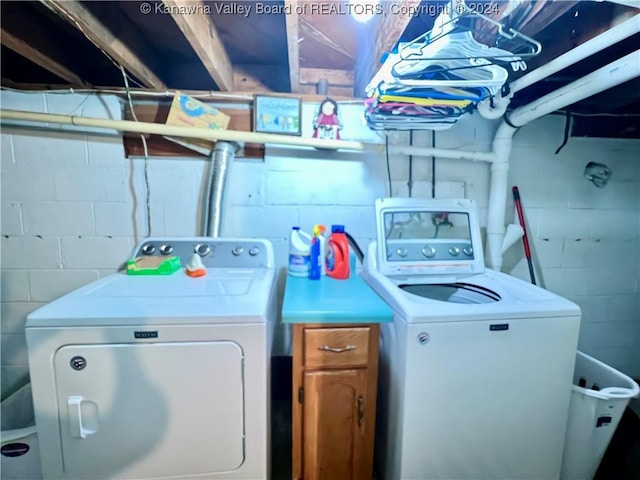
x=237, y=250
x=254, y=251
x=428, y=251
x=166, y=249
x=202, y=249
x=468, y=251
x=454, y=251
x=148, y=249
x=402, y=252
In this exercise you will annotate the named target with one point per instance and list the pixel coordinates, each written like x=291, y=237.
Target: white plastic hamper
x=20, y=455
x=599, y=397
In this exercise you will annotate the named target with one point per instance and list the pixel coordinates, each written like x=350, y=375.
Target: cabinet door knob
x=327, y=348
x=360, y=410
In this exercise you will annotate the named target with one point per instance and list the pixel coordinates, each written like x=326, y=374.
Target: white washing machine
x=162, y=376
x=476, y=369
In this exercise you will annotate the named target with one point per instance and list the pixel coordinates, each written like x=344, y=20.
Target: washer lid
x=453, y=293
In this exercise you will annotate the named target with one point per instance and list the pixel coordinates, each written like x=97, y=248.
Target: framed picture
x=273, y=114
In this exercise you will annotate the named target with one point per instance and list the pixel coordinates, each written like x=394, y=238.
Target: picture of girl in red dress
x=327, y=124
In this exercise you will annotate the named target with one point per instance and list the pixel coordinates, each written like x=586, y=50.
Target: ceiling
x=284, y=46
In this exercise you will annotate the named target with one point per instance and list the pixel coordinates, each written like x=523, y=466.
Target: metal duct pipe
x=221, y=158
x=323, y=87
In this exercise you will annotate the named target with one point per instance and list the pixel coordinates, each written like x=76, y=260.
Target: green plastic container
x=153, y=266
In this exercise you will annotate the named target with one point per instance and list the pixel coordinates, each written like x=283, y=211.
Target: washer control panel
x=214, y=252
x=434, y=237
x=412, y=250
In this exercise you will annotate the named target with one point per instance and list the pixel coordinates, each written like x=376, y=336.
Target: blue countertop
x=333, y=301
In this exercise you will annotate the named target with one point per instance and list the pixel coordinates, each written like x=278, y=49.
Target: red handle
x=525, y=240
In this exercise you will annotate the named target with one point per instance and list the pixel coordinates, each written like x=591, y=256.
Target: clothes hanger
x=446, y=25
x=428, y=63
x=456, y=51
x=483, y=74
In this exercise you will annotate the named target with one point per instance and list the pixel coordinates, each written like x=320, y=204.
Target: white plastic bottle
x=323, y=249
x=299, y=253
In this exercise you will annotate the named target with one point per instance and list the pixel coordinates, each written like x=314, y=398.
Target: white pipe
x=600, y=42
x=498, y=188
x=596, y=44
x=495, y=110
x=441, y=153
x=513, y=234
x=620, y=71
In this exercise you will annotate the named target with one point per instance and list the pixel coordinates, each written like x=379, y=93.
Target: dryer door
x=150, y=410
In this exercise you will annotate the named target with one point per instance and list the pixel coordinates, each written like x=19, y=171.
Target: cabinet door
x=334, y=425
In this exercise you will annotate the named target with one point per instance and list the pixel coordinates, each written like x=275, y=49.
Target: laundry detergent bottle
x=337, y=254
x=299, y=253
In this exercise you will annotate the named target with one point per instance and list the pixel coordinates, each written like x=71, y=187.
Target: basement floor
x=621, y=461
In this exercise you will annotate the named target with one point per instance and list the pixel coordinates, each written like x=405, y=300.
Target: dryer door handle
x=77, y=428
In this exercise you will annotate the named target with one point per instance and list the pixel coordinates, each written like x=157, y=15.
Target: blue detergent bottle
x=316, y=269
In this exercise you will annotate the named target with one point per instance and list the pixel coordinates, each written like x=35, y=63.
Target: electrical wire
x=80, y=105
x=433, y=166
x=354, y=245
x=410, y=182
x=79, y=27
x=146, y=154
x=139, y=93
x=212, y=95
x=567, y=130
x=126, y=79
x=386, y=151
x=575, y=114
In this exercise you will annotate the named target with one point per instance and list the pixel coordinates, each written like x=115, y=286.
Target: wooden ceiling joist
x=77, y=15
x=388, y=29
x=40, y=58
x=546, y=15
x=313, y=28
x=333, y=92
x=291, y=20
x=588, y=21
x=202, y=35
x=338, y=78
x=260, y=78
x=539, y=15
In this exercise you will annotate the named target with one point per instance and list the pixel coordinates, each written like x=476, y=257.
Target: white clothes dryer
x=476, y=368
x=163, y=376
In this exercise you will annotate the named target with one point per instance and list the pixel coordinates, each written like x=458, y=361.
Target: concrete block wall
x=73, y=207
x=586, y=240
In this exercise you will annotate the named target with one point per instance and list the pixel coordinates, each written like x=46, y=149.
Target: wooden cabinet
x=335, y=373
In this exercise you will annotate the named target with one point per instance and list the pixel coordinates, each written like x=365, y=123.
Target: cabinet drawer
x=335, y=347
